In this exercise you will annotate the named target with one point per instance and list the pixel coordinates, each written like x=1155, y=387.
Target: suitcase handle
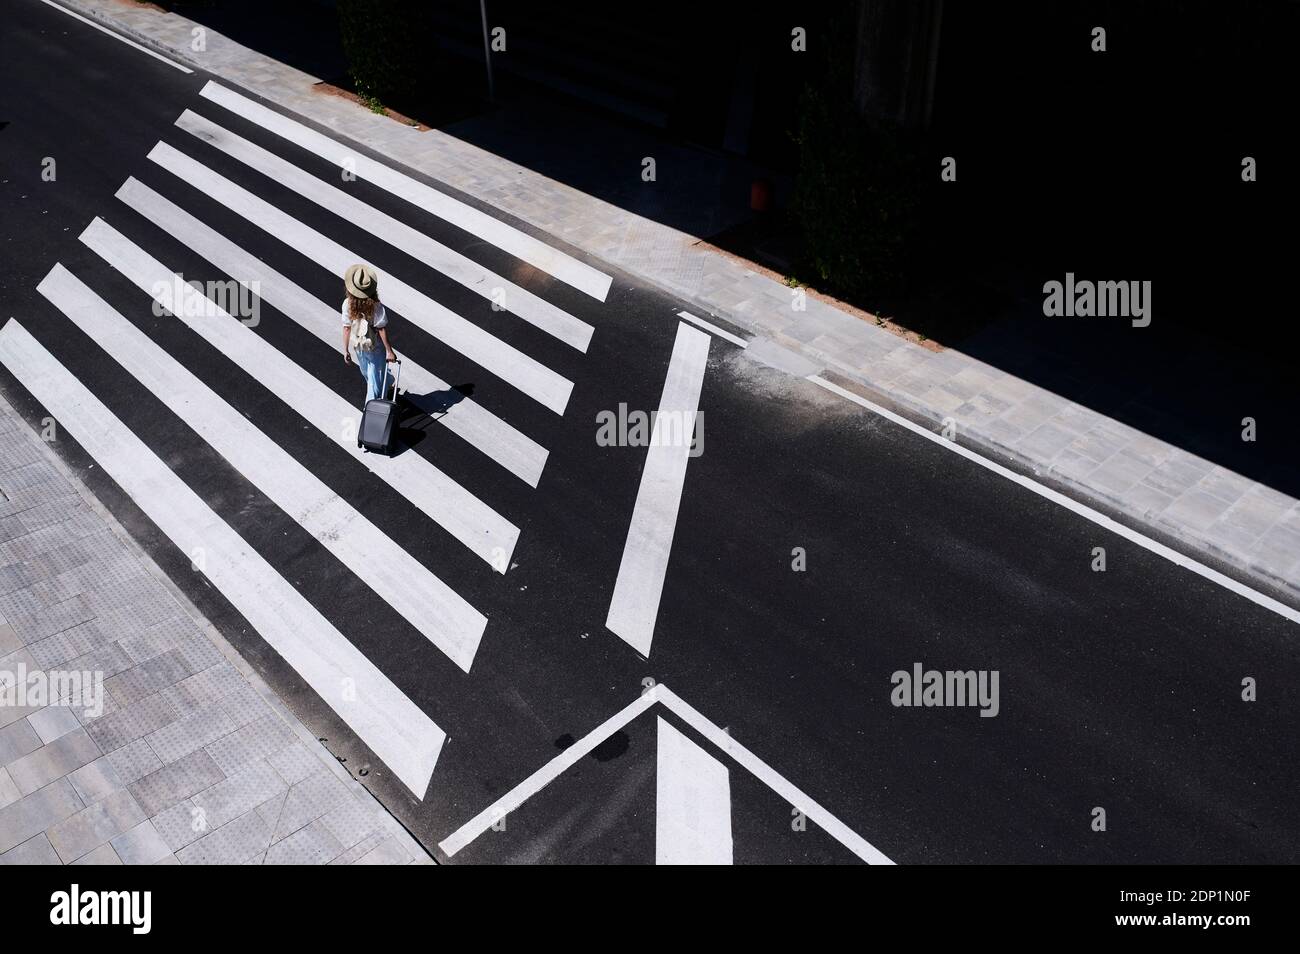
x=396, y=378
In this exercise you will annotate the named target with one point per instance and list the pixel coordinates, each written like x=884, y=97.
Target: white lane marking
x=487, y=534
x=472, y=422
x=1074, y=506
x=639, y=586
x=513, y=299
x=674, y=703
x=117, y=36
x=432, y=607
x=506, y=237
x=714, y=329
x=492, y=354
x=552, y=770
x=692, y=803
x=773, y=779
x=376, y=710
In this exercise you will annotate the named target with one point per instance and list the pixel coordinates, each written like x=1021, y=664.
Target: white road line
x=674, y=703
x=376, y=710
x=432, y=607
x=117, y=36
x=1074, y=506
x=640, y=582
x=506, y=362
x=486, y=533
x=773, y=779
x=506, y=237
x=714, y=329
x=512, y=298
x=552, y=770
x=472, y=422
x=692, y=803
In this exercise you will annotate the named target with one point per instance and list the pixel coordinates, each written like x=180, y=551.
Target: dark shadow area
x=1122, y=165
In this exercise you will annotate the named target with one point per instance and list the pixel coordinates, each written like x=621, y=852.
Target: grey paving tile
x=390, y=851
x=37, y=812
x=141, y=845
x=96, y=780
x=35, y=851
x=134, y=761
x=179, y=739
x=176, y=781
x=55, y=760
x=242, y=839
x=312, y=845
x=17, y=740
x=181, y=825
x=241, y=793
x=148, y=677
x=95, y=825
x=294, y=763
x=309, y=799
x=136, y=721
x=103, y=855
x=352, y=821
x=9, y=640
x=258, y=739
x=53, y=722
x=8, y=790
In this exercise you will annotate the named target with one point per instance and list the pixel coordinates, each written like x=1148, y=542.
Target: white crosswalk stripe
x=452, y=507
x=381, y=715
x=517, y=243
x=513, y=450
x=511, y=365
x=285, y=613
x=519, y=301
x=448, y=621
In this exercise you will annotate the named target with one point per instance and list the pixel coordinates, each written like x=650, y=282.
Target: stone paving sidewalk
x=172, y=750
x=1190, y=501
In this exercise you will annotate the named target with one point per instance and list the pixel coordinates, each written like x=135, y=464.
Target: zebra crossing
x=126, y=352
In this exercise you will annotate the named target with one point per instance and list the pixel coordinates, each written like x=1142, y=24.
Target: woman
x=364, y=320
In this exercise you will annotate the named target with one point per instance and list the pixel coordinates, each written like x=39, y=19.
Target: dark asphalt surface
x=1118, y=689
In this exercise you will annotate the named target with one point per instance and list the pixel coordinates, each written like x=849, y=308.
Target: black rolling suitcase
x=378, y=430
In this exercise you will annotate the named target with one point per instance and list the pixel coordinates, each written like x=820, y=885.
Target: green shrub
x=388, y=48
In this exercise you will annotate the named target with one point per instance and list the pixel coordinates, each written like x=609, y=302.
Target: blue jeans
x=372, y=366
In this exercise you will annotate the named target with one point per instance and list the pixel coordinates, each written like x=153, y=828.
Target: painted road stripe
x=508, y=363
x=505, y=237
x=640, y=583
x=377, y=711
x=674, y=703
x=433, y=608
x=713, y=329
x=472, y=422
x=1074, y=506
x=548, y=773
x=453, y=508
x=117, y=36
x=692, y=803
x=515, y=300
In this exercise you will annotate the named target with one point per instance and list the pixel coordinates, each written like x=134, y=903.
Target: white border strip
x=674, y=703
x=117, y=36
x=1074, y=506
x=708, y=326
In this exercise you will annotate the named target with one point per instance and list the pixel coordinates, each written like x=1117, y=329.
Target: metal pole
x=487, y=51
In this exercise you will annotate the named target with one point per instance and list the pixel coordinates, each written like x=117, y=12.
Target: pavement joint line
x=395, y=828
x=1069, y=503
x=117, y=35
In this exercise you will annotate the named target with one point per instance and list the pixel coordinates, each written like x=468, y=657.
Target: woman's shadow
x=417, y=412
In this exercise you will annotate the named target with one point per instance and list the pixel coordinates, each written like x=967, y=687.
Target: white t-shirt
x=381, y=315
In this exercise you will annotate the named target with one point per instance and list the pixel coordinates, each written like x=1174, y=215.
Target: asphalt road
x=1118, y=689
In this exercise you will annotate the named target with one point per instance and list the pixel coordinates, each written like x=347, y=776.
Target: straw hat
x=361, y=281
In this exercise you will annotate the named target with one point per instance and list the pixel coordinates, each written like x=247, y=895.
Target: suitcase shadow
x=418, y=412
